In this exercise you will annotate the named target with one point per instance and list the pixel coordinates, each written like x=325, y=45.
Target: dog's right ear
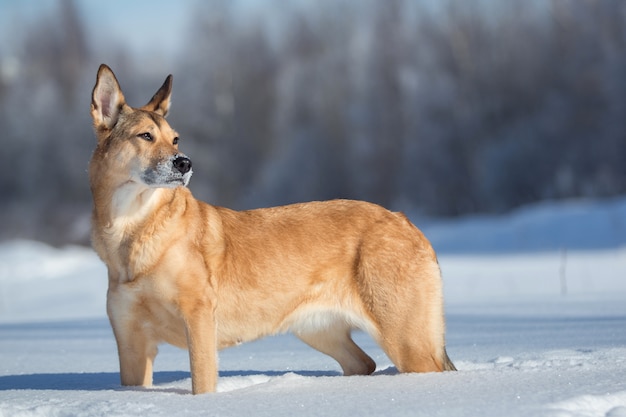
x=107, y=99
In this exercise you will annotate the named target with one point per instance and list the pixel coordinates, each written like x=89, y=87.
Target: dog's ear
x=107, y=99
x=160, y=102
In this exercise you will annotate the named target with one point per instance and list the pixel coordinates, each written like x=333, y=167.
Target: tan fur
x=204, y=277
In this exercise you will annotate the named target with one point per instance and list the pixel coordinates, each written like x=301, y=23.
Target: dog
x=204, y=277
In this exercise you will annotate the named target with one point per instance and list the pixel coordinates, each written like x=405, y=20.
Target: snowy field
x=536, y=309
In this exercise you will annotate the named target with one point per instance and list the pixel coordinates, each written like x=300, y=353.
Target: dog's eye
x=176, y=140
x=146, y=136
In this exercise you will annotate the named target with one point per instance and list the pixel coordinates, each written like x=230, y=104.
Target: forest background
x=440, y=109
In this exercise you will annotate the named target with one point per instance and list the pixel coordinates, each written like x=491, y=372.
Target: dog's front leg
x=136, y=355
x=201, y=331
x=135, y=348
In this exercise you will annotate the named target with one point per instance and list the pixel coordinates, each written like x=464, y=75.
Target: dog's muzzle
x=169, y=173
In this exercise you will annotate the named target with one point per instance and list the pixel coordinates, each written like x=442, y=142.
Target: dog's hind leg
x=412, y=326
x=400, y=284
x=336, y=342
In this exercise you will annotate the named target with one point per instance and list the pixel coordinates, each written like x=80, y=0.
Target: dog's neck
x=131, y=202
x=120, y=213
x=124, y=206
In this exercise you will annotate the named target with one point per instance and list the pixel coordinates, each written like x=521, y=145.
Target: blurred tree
x=230, y=97
x=384, y=107
x=444, y=108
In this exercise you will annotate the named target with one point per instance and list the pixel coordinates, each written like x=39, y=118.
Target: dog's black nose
x=182, y=164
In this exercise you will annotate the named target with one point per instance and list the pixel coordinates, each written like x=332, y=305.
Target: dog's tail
x=447, y=363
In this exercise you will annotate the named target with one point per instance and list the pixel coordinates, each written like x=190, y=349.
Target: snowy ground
x=532, y=333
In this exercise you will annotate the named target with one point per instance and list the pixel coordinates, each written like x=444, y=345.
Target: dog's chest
x=130, y=249
x=151, y=303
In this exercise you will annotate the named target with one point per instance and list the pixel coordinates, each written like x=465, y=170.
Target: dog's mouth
x=171, y=173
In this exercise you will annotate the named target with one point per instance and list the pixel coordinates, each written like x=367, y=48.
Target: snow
x=537, y=329
x=578, y=224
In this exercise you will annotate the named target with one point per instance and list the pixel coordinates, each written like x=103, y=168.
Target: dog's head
x=136, y=144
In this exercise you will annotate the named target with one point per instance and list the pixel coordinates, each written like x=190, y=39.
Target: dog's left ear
x=160, y=102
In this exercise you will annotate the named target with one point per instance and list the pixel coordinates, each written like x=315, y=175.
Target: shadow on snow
x=110, y=381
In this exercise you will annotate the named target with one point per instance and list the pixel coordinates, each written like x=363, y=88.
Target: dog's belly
x=315, y=316
x=314, y=319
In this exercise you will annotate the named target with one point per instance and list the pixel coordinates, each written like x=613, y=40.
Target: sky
x=141, y=24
